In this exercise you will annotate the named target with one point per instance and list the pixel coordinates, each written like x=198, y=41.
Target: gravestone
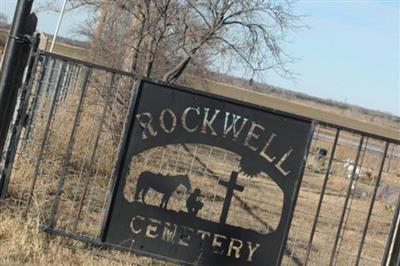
x=266, y=141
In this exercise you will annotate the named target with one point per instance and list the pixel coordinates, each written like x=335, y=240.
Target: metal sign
x=169, y=213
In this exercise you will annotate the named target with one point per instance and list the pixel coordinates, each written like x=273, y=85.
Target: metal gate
x=60, y=168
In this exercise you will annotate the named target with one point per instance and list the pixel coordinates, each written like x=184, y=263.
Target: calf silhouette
x=165, y=185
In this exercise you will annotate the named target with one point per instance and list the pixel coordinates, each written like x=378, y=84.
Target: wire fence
x=63, y=163
x=67, y=149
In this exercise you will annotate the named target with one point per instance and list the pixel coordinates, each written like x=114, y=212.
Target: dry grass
x=22, y=242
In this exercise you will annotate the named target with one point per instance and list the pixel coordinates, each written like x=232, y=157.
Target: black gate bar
x=391, y=238
x=45, y=138
x=321, y=198
x=61, y=180
x=109, y=91
x=371, y=206
x=354, y=184
x=395, y=258
x=339, y=230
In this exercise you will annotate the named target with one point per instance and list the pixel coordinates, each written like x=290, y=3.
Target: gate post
x=14, y=62
x=20, y=117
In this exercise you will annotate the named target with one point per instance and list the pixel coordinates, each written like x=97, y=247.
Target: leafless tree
x=166, y=38
x=249, y=32
x=3, y=20
x=3, y=34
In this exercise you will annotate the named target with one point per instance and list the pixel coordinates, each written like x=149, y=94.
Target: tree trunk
x=99, y=31
x=132, y=52
x=150, y=58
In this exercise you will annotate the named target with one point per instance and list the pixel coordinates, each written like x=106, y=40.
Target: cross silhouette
x=230, y=187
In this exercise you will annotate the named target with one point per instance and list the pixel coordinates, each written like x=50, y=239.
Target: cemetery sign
x=168, y=215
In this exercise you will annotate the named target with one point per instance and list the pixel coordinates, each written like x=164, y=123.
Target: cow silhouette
x=165, y=185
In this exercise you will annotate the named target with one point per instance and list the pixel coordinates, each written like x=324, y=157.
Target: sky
x=350, y=51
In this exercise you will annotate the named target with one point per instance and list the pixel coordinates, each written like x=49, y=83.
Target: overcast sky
x=349, y=53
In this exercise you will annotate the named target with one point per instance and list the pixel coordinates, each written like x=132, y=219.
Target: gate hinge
x=22, y=38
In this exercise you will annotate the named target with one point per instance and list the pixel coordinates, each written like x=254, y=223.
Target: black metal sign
x=174, y=226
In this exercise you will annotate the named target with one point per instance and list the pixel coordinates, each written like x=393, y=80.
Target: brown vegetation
x=84, y=192
x=256, y=208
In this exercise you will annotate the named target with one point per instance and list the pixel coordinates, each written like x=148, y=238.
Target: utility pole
x=53, y=42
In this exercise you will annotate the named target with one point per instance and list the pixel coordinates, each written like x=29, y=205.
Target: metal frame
x=47, y=62
x=348, y=193
x=128, y=128
x=67, y=157
x=371, y=206
x=122, y=149
x=45, y=138
x=89, y=64
x=14, y=63
x=392, y=237
x=19, y=121
x=322, y=196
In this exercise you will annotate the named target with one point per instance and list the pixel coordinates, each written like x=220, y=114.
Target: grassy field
x=86, y=179
x=23, y=243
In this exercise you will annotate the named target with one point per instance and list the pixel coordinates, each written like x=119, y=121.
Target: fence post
x=20, y=118
x=14, y=62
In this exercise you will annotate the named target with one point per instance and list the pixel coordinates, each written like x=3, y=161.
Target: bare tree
x=3, y=20
x=166, y=38
x=3, y=34
x=250, y=32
